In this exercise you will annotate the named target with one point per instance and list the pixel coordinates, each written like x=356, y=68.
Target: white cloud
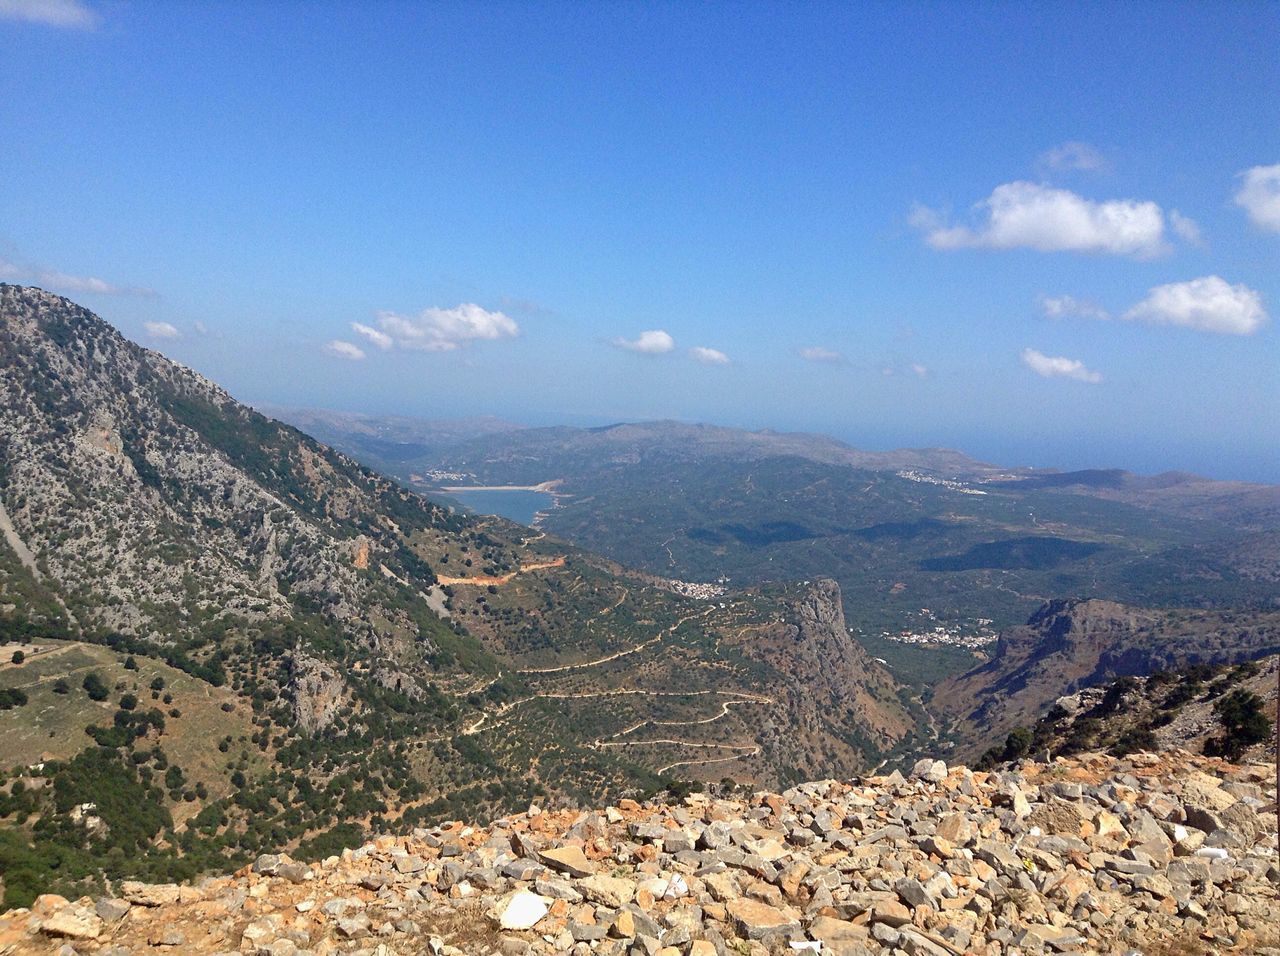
x=652, y=342
x=1066, y=306
x=161, y=330
x=64, y=282
x=1185, y=228
x=1049, y=366
x=1209, y=304
x=72, y=14
x=1073, y=155
x=708, y=356
x=344, y=350
x=1260, y=196
x=920, y=371
x=380, y=339
x=70, y=283
x=201, y=328
x=1031, y=215
x=816, y=353
x=438, y=330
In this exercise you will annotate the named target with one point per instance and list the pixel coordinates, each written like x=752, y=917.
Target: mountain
x=386, y=442
x=494, y=448
x=229, y=636
x=1068, y=645
x=157, y=506
x=917, y=540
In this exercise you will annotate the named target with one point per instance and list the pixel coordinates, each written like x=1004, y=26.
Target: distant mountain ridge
x=507, y=441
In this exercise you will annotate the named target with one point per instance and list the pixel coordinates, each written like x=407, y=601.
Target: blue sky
x=1045, y=234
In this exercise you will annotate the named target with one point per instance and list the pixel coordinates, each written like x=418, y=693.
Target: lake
x=520, y=506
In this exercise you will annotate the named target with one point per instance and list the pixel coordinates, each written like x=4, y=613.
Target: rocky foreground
x=1149, y=854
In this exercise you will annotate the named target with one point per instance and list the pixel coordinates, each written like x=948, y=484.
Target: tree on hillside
x=95, y=686
x=1243, y=724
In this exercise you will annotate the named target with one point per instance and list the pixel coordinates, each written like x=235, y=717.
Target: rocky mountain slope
x=1071, y=644
x=1163, y=855
x=1224, y=709
x=181, y=571
x=158, y=506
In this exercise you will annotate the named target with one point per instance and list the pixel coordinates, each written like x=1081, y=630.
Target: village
x=698, y=590
x=924, y=479
x=931, y=632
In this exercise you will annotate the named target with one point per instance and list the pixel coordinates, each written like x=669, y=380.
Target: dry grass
x=51, y=726
x=467, y=927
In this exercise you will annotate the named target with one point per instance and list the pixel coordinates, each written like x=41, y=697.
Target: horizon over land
x=985, y=228
x=1007, y=452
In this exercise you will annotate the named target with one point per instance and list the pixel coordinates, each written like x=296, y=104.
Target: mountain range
x=225, y=636
x=263, y=642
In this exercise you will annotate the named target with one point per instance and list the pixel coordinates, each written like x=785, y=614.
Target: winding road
x=735, y=698
x=483, y=579
x=625, y=652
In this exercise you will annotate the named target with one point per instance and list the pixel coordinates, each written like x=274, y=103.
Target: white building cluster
x=924, y=479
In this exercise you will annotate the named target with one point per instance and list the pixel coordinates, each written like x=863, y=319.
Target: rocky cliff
x=842, y=705
x=1167, y=854
x=1070, y=644
x=1169, y=710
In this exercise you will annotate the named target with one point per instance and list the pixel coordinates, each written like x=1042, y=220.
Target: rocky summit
x=1151, y=854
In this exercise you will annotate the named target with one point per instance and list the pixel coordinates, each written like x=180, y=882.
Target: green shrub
x=12, y=697
x=95, y=686
x=1243, y=724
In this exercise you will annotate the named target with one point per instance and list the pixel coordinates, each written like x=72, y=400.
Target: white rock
x=676, y=888
x=524, y=910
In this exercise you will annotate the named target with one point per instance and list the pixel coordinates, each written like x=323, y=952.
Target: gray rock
x=932, y=771
x=913, y=893
x=355, y=927
x=110, y=909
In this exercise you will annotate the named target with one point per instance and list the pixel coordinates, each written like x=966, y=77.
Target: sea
x=519, y=506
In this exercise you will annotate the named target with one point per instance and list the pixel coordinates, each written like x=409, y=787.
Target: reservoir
x=520, y=505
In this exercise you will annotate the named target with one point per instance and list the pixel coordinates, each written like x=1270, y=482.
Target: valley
x=267, y=645
x=700, y=479
x=980, y=547
x=290, y=650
